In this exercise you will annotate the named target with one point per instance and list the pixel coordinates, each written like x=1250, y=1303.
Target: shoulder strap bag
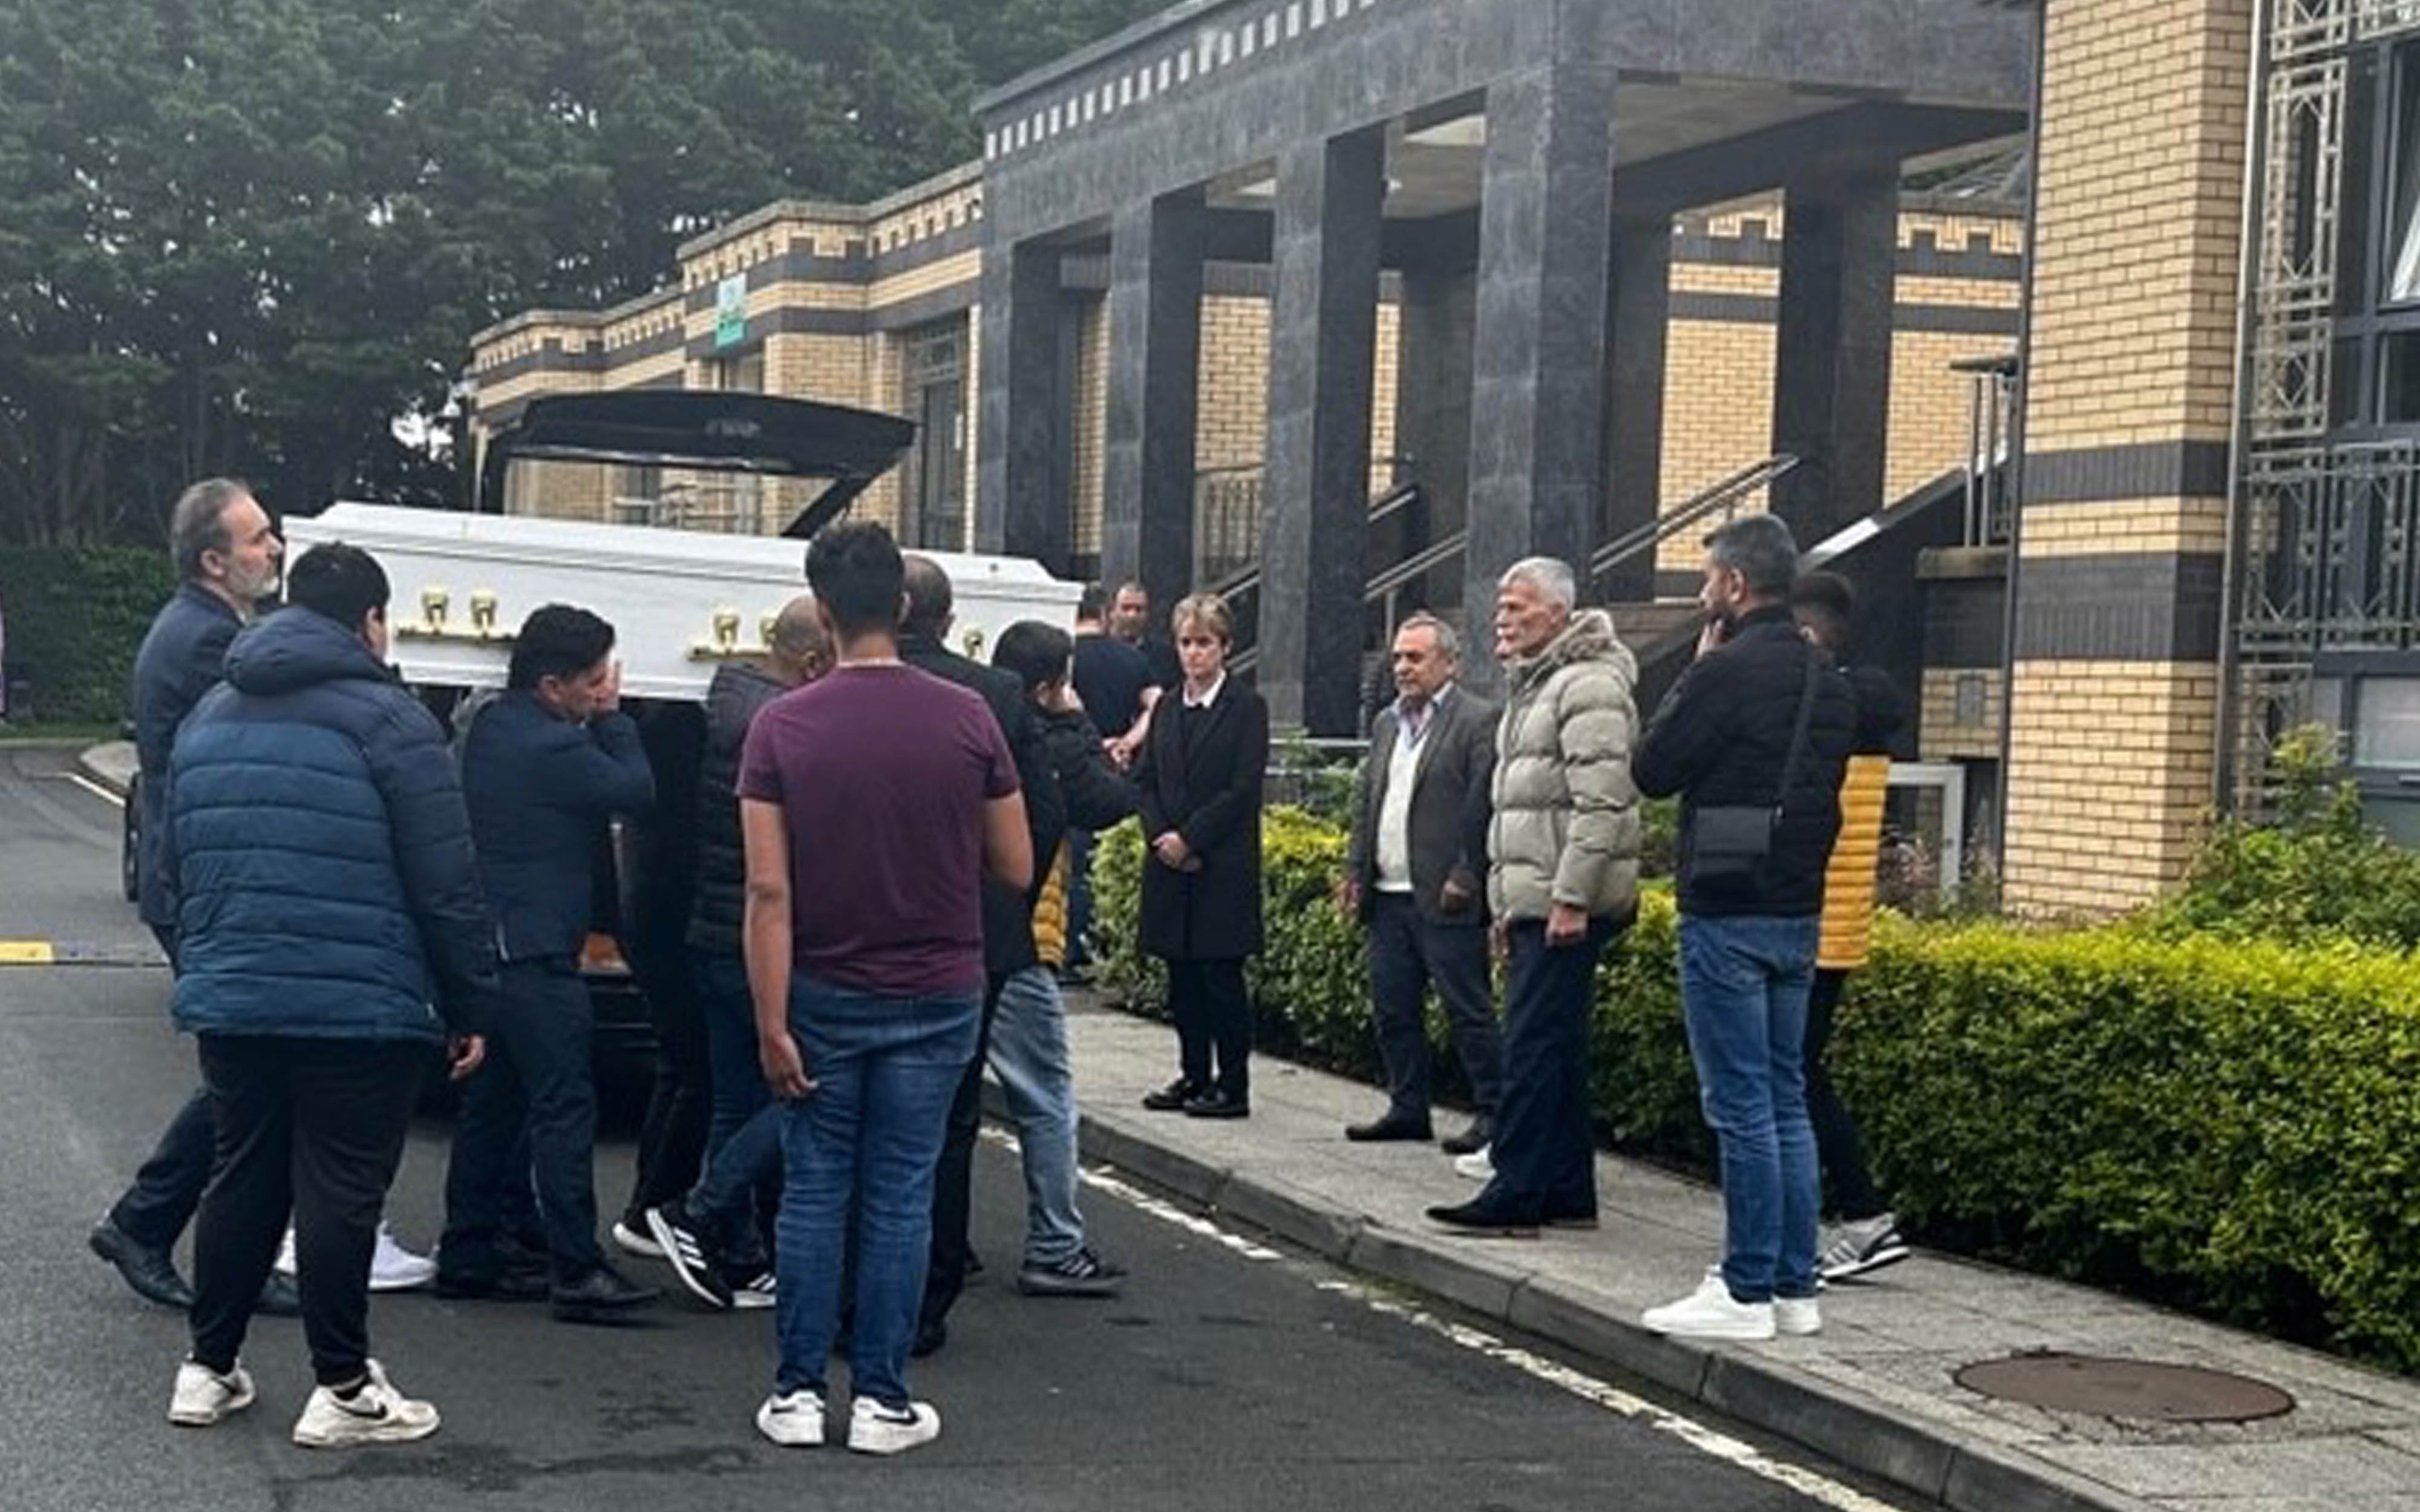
x=1730, y=842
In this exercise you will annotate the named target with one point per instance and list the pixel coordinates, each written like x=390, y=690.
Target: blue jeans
x=1744, y=986
x=1080, y=897
x=1545, y=1143
x=1029, y=1054
x=743, y=1137
x=885, y=1070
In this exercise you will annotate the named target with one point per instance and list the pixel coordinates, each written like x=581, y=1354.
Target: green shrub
x=76, y=615
x=2315, y=866
x=2223, y=1125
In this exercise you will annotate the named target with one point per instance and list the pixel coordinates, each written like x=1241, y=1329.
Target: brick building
x=1222, y=279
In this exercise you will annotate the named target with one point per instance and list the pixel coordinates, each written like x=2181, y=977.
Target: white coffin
x=680, y=602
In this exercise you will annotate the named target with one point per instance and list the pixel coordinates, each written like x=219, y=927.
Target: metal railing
x=1724, y=495
x=1990, y=416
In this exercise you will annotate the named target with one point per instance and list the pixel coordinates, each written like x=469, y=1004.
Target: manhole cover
x=2143, y=1389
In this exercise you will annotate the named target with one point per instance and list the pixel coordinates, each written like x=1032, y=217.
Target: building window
x=933, y=512
x=2386, y=724
x=2403, y=208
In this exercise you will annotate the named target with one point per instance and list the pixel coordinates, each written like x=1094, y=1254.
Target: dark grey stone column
x=1634, y=395
x=1020, y=502
x=1432, y=409
x=1155, y=252
x=1831, y=399
x=1537, y=413
x=1323, y=374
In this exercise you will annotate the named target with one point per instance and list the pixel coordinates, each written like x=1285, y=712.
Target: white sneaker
x=393, y=1268
x=876, y=1429
x=203, y=1398
x=755, y=1294
x=636, y=1242
x=1796, y=1318
x=1475, y=1166
x=793, y=1420
x=1712, y=1313
x=377, y=1414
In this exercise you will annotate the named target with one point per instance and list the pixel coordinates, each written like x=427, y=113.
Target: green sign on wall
x=730, y=310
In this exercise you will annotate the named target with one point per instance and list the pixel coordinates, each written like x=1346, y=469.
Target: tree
x=245, y=235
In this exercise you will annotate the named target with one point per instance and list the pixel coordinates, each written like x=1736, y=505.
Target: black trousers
x=313, y=1127
x=168, y=1185
x=1544, y=1146
x=945, y=1273
x=1407, y=955
x=1837, y=1146
x=536, y=1082
x=672, y=1141
x=1214, y=1025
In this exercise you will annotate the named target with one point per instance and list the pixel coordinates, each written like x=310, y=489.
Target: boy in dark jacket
x=543, y=767
x=327, y=899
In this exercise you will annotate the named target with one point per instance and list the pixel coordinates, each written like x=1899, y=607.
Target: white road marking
x=94, y=788
x=1706, y=1439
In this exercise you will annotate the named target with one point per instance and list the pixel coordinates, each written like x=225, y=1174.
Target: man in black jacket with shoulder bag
x=1753, y=737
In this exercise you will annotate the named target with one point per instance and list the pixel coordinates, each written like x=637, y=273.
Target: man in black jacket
x=1007, y=923
x=1415, y=877
x=713, y=1236
x=1754, y=739
x=543, y=767
x=226, y=552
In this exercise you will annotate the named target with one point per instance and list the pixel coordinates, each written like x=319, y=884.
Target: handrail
x=1248, y=575
x=1717, y=495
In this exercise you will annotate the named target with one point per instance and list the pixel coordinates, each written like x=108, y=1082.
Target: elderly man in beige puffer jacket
x=1562, y=879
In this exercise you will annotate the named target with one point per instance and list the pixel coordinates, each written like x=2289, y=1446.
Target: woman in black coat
x=1200, y=777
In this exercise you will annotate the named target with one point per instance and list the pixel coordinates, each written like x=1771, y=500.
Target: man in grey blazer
x=1416, y=877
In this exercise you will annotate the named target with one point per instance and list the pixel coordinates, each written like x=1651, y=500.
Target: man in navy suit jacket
x=543, y=767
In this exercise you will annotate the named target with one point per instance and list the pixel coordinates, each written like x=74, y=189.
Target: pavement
x=1874, y=1392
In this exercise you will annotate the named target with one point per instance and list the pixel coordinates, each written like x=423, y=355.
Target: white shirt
x=1209, y=695
x=1394, y=857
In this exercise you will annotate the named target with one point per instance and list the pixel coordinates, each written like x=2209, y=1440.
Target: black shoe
x=1393, y=1128
x=279, y=1297
x=1080, y=1275
x=1471, y=1140
x=692, y=1254
x=148, y=1271
x=601, y=1296
x=929, y=1339
x=1215, y=1105
x=1483, y=1217
x=506, y=1283
x=1172, y=1098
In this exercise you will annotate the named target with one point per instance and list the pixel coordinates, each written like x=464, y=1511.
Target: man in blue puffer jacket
x=332, y=937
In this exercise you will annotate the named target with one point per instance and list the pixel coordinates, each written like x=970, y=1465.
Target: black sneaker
x=148, y=1271
x=691, y=1254
x=1865, y=1245
x=1485, y=1218
x=1172, y=1098
x=1080, y=1275
x=279, y=1297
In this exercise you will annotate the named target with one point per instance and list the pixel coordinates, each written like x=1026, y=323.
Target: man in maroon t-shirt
x=872, y=803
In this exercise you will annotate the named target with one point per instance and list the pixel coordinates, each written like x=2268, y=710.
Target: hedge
x=75, y=617
x=2225, y=1126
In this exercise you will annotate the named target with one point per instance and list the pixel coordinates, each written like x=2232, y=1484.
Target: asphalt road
x=1230, y=1377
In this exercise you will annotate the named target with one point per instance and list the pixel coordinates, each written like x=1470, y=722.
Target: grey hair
x=197, y=522
x=1760, y=550
x=1448, y=644
x=1551, y=576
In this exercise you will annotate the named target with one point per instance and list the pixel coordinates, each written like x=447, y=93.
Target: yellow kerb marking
x=26, y=953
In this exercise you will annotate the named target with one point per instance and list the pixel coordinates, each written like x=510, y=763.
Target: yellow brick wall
x=2110, y=770
x=2138, y=207
x=1091, y=425
x=1235, y=382
x=1943, y=737
x=2136, y=240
